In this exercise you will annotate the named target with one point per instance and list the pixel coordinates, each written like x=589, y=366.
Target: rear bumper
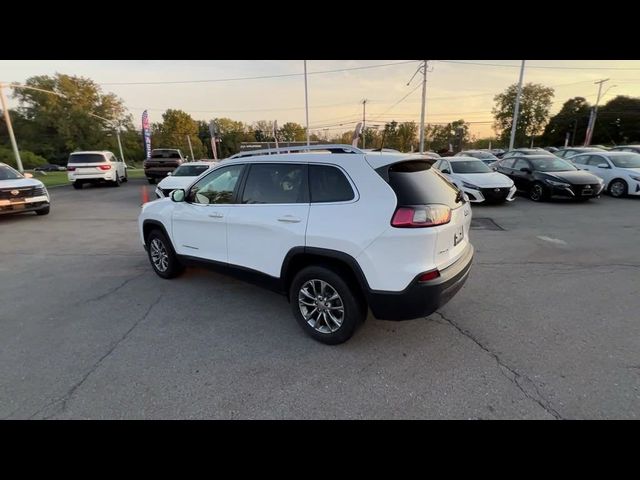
x=158, y=172
x=422, y=299
x=93, y=177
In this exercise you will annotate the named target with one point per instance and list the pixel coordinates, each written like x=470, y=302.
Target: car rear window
x=86, y=158
x=416, y=183
x=165, y=154
x=328, y=184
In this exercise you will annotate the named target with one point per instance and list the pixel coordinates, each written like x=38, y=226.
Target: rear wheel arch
x=300, y=257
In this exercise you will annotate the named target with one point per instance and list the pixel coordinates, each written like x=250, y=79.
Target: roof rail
x=333, y=148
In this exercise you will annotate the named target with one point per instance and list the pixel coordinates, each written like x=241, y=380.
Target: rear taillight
x=422, y=216
x=431, y=275
x=71, y=169
x=104, y=167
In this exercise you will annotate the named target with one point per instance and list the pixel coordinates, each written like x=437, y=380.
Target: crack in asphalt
x=64, y=399
x=538, y=398
x=114, y=289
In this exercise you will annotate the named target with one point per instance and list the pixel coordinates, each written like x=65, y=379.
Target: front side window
x=328, y=184
x=581, y=159
x=276, y=183
x=217, y=187
x=631, y=160
x=521, y=163
x=596, y=160
x=508, y=163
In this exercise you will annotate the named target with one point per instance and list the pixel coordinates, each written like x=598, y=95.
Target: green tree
x=173, y=131
x=572, y=118
x=54, y=125
x=406, y=136
x=438, y=137
x=535, y=103
x=292, y=132
x=618, y=122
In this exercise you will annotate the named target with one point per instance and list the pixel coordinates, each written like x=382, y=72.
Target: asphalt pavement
x=546, y=327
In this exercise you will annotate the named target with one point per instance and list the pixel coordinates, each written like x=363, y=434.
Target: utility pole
x=516, y=109
x=306, y=102
x=120, y=143
x=364, y=105
x=594, y=113
x=424, y=99
x=12, y=137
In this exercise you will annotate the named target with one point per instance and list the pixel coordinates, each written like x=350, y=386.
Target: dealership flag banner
x=146, y=133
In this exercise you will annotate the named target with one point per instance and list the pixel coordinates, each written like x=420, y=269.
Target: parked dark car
x=50, y=167
x=487, y=157
x=569, y=152
x=543, y=176
x=626, y=148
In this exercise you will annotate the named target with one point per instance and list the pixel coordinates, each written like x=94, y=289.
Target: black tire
x=353, y=308
x=77, y=185
x=116, y=182
x=44, y=211
x=126, y=176
x=173, y=265
x=538, y=192
x=618, y=188
x=152, y=181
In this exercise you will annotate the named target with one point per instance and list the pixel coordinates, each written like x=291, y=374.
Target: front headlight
x=637, y=179
x=470, y=185
x=556, y=184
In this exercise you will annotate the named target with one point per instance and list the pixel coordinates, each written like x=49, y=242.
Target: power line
x=536, y=66
x=260, y=77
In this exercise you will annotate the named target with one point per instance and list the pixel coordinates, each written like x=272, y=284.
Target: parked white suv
x=335, y=229
x=95, y=167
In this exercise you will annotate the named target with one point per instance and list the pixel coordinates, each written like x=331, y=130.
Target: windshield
x=630, y=160
x=189, y=170
x=8, y=173
x=551, y=164
x=86, y=158
x=469, y=166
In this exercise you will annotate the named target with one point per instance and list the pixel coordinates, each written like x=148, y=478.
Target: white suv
x=95, y=167
x=336, y=229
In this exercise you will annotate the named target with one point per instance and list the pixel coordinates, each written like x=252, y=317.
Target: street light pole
x=364, y=105
x=7, y=119
x=516, y=109
x=306, y=102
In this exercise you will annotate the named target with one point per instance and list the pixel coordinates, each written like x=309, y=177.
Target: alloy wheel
x=321, y=306
x=159, y=255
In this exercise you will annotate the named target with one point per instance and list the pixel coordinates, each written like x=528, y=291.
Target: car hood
x=484, y=180
x=579, y=177
x=21, y=183
x=176, y=182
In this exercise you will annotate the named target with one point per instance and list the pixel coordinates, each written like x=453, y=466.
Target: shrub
x=29, y=159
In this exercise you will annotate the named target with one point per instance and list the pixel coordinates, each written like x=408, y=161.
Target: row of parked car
x=579, y=173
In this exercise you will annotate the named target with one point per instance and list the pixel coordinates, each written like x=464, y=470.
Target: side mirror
x=446, y=171
x=168, y=174
x=525, y=170
x=178, y=195
x=603, y=165
x=28, y=175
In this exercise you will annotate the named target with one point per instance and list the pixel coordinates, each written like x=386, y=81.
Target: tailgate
x=453, y=238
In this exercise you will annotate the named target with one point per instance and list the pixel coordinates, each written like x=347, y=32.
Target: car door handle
x=216, y=215
x=289, y=219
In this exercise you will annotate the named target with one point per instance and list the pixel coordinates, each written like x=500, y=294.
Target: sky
x=456, y=89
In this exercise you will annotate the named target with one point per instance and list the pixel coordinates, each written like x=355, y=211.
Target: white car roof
x=461, y=157
x=100, y=152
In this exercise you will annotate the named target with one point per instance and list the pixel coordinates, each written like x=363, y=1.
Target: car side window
x=276, y=183
x=329, y=184
x=596, y=160
x=437, y=164
x=520, y=163
x=508, y=163
x=217, y=187
x=581, y=159
x=445, y=166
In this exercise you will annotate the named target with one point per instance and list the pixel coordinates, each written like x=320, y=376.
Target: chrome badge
x=15, y=192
